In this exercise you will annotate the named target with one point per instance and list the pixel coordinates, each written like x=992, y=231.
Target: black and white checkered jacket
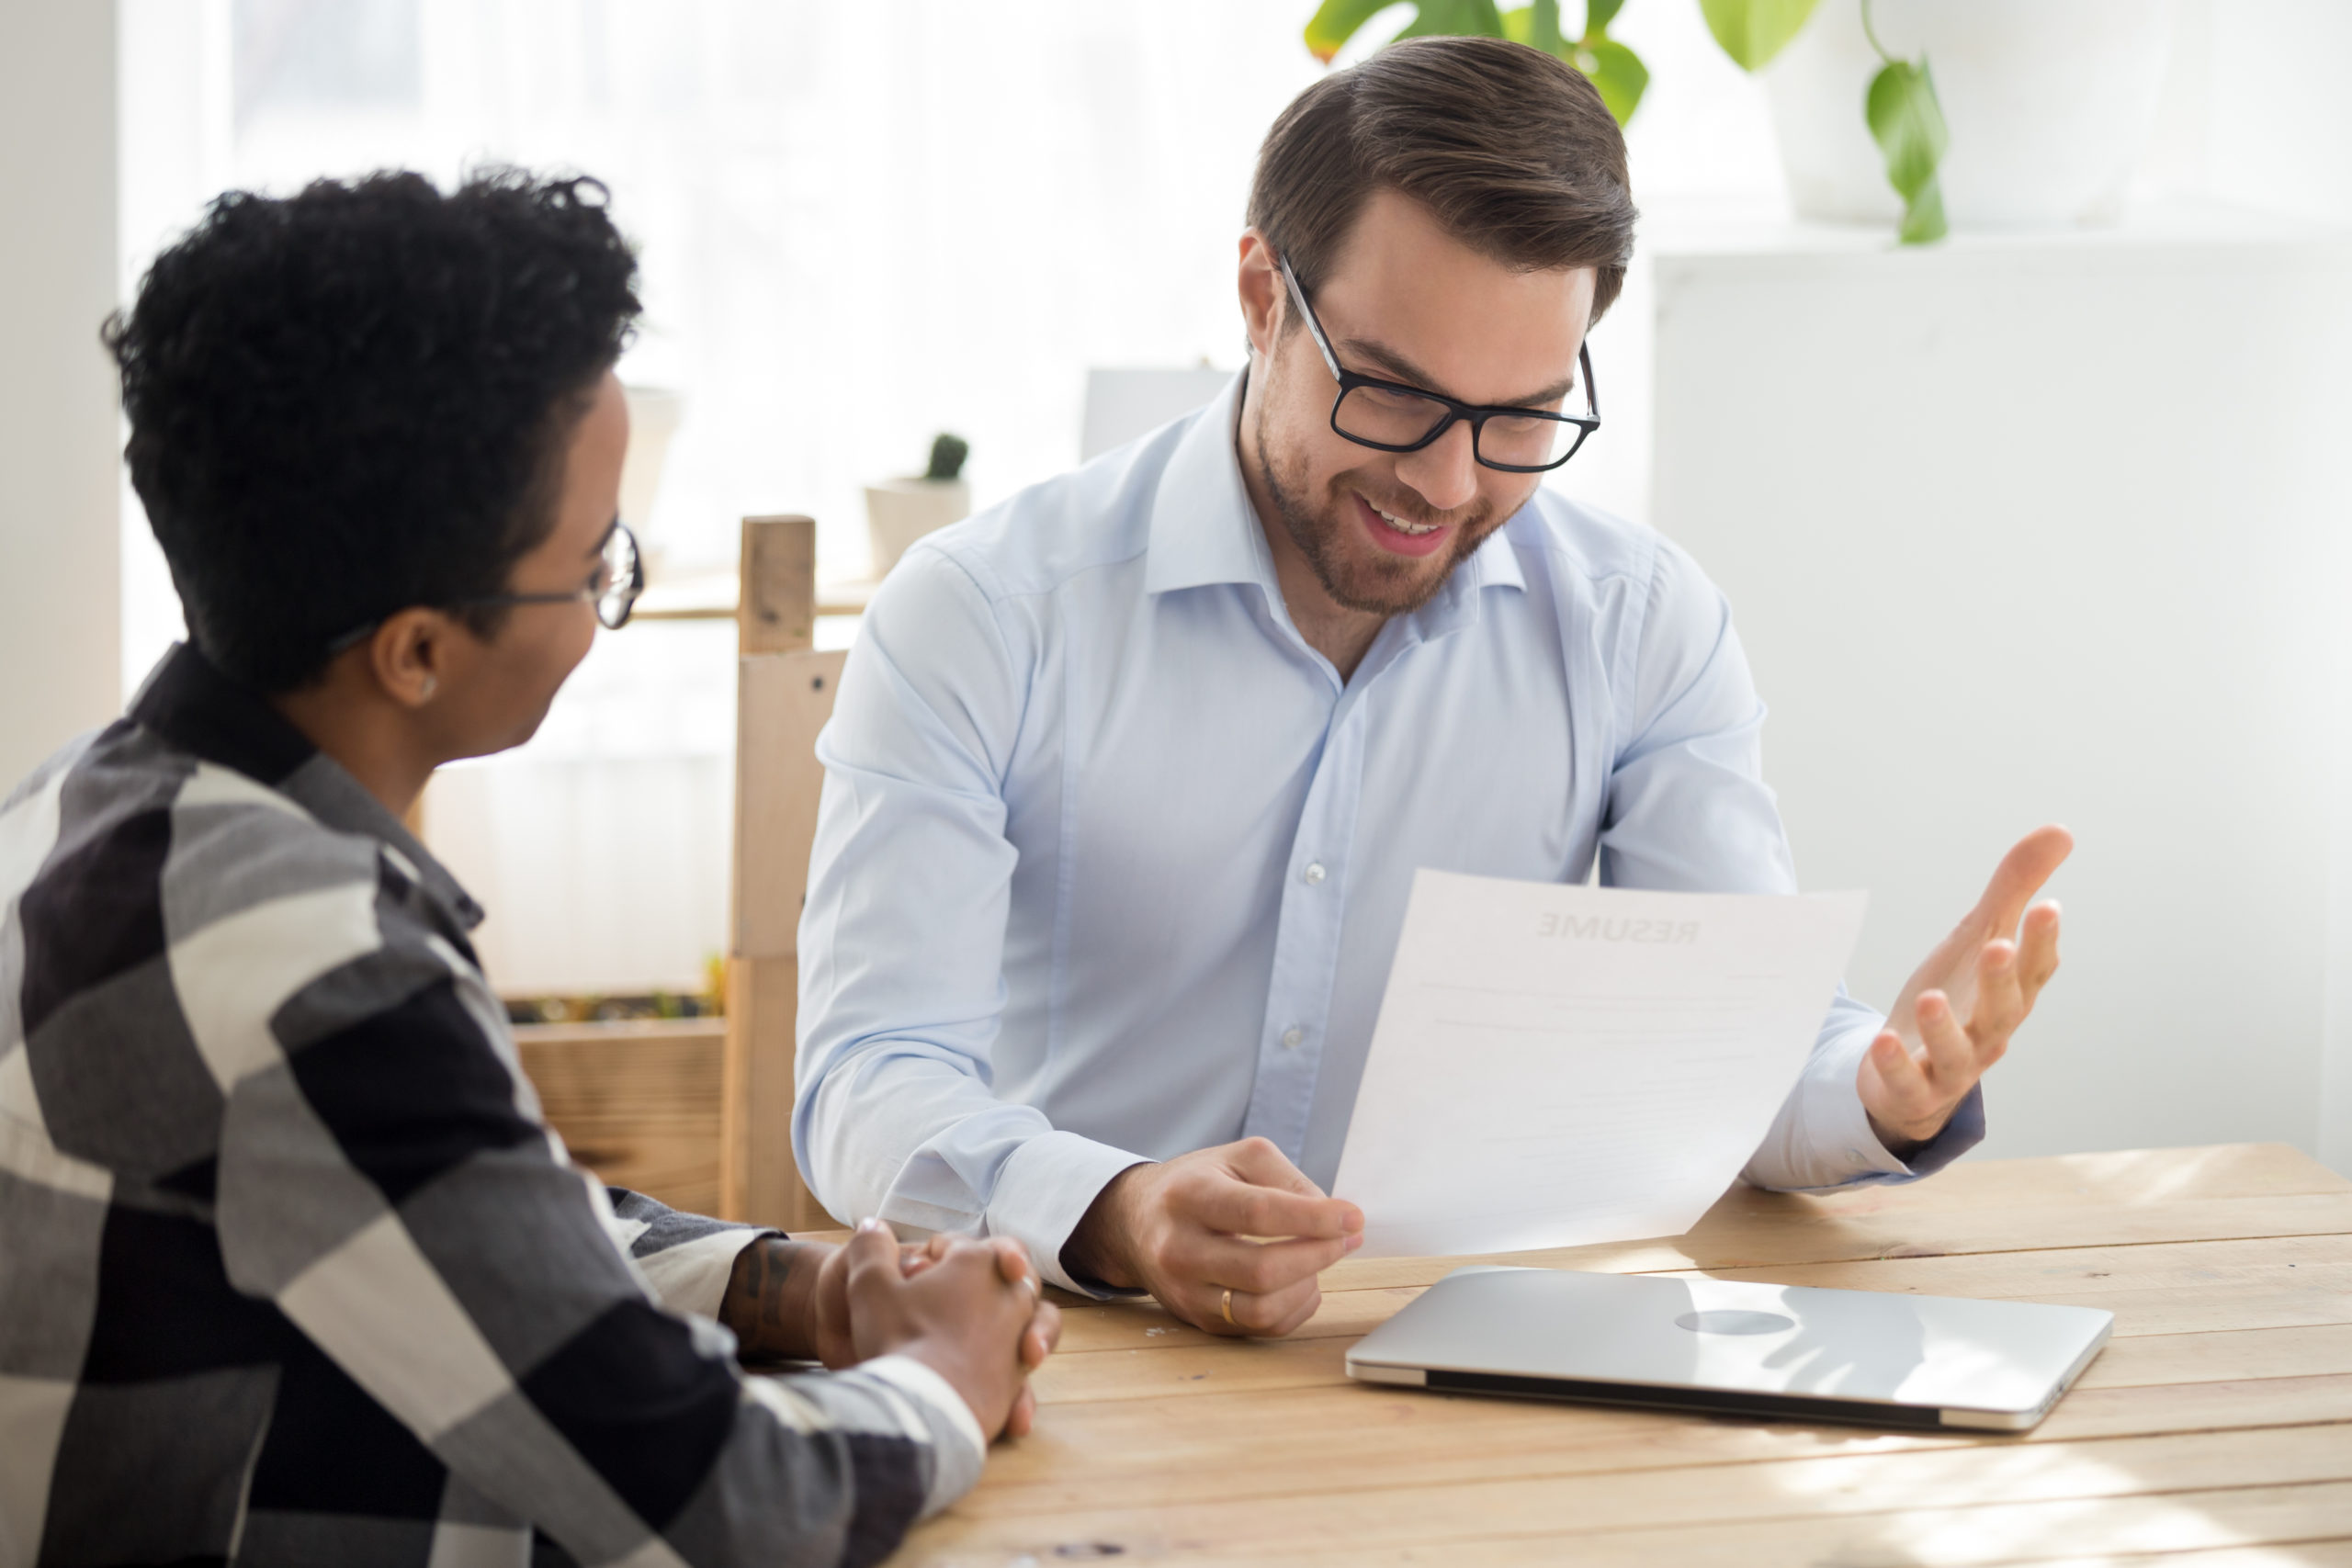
x=292, y=1270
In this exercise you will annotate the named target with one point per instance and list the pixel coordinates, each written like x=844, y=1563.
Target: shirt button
x=1292, y=1036
x=1313, y=873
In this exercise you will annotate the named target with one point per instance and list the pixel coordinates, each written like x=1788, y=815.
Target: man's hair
x=1511, y=150
x=358, y=398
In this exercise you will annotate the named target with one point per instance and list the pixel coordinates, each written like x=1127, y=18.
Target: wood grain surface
x=2215, y=1431
x=635, y=1102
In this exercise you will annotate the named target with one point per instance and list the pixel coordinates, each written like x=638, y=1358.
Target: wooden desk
x=2215, y=1430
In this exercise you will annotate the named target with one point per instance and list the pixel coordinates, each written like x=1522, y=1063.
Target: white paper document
x=1555, y=1066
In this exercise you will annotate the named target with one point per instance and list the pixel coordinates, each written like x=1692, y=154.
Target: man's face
x=516, y=673
x=1405, y=302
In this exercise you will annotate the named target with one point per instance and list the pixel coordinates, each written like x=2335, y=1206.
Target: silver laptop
x=1720, y=1346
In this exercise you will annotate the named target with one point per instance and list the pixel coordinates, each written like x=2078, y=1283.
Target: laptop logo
x=1735, y=1322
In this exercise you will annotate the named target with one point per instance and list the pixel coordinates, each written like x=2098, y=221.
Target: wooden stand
x=784, y=695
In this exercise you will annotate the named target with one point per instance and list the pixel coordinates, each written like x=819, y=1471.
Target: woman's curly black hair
x=357, y=398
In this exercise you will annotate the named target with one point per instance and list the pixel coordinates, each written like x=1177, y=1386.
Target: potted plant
x=2053, y=98
x=2050, y=104
x=898, y=512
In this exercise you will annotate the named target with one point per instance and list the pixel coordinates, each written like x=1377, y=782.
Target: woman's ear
x=409, y=655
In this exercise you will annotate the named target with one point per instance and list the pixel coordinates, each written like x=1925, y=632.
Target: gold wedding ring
x=1227, y=1307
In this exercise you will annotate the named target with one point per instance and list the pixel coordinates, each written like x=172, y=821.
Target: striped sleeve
x=386, y=1179
x=687, y=1258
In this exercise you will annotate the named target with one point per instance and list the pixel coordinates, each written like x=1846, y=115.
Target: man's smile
x=1399, y=536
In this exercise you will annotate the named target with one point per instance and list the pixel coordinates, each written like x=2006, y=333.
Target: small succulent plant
x=947, y=455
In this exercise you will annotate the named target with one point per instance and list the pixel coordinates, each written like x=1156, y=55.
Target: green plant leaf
x=1537, y=25
x=1456, y=18
x=1752, y=31
x=1908, y=125
x=1617, y=71
x=1337, y=21
x=1599, y=14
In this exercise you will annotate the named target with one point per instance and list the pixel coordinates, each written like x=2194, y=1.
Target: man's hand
x=969, y=1310
x=1954, y=1019
x=1187, y=1231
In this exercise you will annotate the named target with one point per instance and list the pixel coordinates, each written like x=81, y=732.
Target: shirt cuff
x=692, y=1276
x=1824, y=1140
x=1045, y=1189
x=957, y=1441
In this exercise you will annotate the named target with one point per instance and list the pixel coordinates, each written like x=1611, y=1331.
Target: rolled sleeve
x=687, y=1258
x=1821, y=1138
x=1045, y=1188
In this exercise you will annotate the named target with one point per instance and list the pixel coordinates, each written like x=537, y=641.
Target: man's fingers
x=1951, y=1057
x=1906, y=1080
x=2000, y=1001
x=1024, y=1413
x=1238, y=1209
x=1269, y=1313
x=1307, y=1307
x=1262, y=1267
x=2038, y=950
x=1260, y=1163
x=2029, y=864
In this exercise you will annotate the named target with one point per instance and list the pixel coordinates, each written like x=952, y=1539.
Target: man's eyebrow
x=1403, y=369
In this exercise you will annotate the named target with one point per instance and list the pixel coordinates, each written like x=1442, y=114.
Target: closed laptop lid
x=2004, y=1358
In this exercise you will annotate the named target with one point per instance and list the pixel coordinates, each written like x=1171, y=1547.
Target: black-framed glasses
x=618, y=583
x=1389, y=416
x=619, y=579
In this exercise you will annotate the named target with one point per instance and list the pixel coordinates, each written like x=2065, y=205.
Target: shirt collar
x=1205, y=530
x=1495, y=562
x=189, y=702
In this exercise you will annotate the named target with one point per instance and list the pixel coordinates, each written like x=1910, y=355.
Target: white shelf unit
x=2036, y=528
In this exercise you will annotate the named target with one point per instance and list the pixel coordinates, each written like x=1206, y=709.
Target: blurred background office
x=2041, y=522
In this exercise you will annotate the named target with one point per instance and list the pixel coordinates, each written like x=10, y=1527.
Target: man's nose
x=1445, y=473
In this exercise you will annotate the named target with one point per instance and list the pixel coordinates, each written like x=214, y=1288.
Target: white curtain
x=859, y=225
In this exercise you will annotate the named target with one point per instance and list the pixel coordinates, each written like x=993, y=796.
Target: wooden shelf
x=715, y=595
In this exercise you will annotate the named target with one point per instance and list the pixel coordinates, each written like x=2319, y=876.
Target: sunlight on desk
x=2217, y=1426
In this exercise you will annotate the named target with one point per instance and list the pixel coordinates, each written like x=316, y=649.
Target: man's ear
x=1262, y=295
x=410, y=655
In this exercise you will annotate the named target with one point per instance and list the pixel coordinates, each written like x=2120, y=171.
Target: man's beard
x=1382, y=585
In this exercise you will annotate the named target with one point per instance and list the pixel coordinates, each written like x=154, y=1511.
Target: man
x=1129, y=777
x=291, y=1270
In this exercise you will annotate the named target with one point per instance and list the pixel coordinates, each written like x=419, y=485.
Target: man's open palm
x=1956, y=1015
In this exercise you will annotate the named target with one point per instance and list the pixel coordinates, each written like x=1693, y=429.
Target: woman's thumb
x=872, y=1249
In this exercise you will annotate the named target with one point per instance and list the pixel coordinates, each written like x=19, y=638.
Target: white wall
x=57, y=448
x=2047, y=529
x=2264, y=117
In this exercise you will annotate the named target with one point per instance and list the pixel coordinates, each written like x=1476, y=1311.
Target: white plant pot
x=899, y=511
x=2049, y=104
x=653, y=414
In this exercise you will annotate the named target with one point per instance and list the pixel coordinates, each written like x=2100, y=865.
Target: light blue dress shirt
x=1110, y=863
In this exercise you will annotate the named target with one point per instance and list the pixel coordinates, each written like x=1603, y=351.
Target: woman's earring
x=431, y=684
